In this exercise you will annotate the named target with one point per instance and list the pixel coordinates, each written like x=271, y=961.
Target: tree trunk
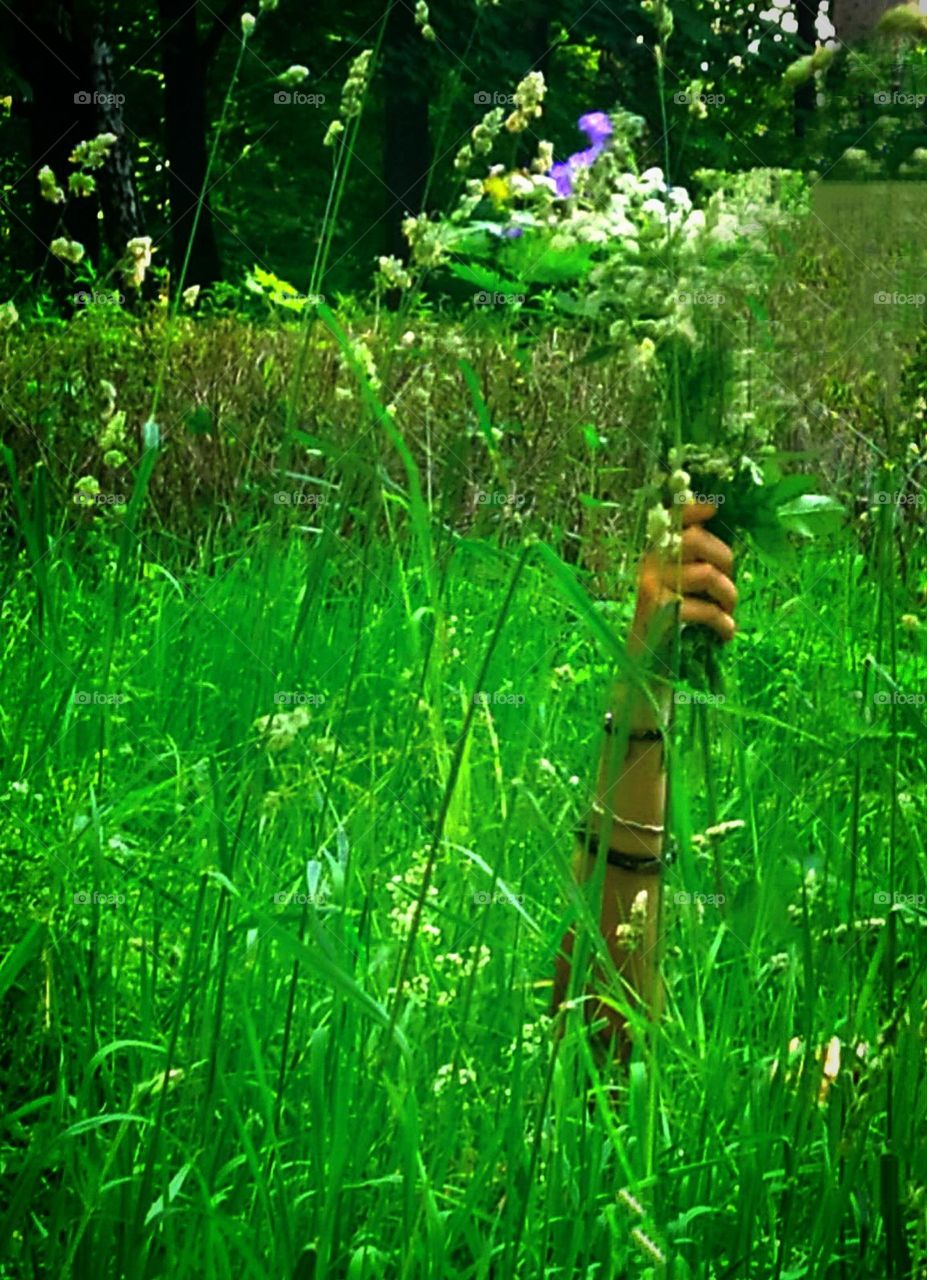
x=54, y=60
x=187, y=153
x=122, y=216
x=806, y=16
x=407, y=149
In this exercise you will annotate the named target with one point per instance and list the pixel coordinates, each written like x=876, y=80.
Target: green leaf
x=482, y=278
x=549, y=266
x=812, y=513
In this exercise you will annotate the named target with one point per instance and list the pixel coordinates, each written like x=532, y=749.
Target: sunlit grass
x=214, y=855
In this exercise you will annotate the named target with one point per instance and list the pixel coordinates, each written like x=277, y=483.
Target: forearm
x=627, y=817
x=625, y=827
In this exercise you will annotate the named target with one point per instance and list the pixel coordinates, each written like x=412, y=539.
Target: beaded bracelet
x=637, y=735
x=646, y=866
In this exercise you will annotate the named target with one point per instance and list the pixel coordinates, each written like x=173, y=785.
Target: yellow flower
x=498, y=189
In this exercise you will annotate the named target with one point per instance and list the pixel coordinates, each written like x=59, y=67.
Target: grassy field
x=234, y=1046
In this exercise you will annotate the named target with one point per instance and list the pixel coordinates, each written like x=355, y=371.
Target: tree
x=51, y=52
x=122, y=214
x=185, y=60
x=806, y=17
x=407, y=149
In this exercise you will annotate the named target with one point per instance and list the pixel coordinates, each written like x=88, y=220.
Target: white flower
x=48, y=186
x=8, y=316
x=529, y=94
x=67, y=250
x=248, y=23
x=519, y=185
x=137, y=260
x=394, y=272
x=294, y=75
x=94, y=152
x=658, y=525
x=355, y=85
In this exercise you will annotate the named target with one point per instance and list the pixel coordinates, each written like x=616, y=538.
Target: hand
x=703, y=570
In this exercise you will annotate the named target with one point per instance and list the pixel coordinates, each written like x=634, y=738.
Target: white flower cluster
x=279, y=729
x=137, y=260
x=529, y=94
x=425, y=240
x=482, y=136
x=402, y=916
x=423, y=20
x=393, y=272
x=48, y=186
x=94, y=152
x=355, y=86
x=67, y=250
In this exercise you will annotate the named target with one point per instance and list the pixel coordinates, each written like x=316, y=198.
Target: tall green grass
x=278, y=1006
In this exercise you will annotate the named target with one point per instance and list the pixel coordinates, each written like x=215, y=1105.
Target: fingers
x=708, y=614
x=699, y=574
x=699, y=544
x=701, y=578
x=698, y=512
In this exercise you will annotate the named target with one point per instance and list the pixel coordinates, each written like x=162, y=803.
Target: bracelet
x=646, y=866
x=636, y=735
x=649, y=828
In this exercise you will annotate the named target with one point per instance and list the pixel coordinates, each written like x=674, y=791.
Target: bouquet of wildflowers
x=629, y=252
x=591, y=235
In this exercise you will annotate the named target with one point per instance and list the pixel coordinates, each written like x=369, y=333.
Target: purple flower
x=598, y=129
x=562, y=175
x=512, y=233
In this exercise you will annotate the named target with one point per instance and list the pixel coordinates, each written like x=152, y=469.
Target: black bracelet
x=638, y=735
x=646, y=866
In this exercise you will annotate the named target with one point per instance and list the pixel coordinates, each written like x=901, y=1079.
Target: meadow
x=228, y=1050
x=312, y=606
